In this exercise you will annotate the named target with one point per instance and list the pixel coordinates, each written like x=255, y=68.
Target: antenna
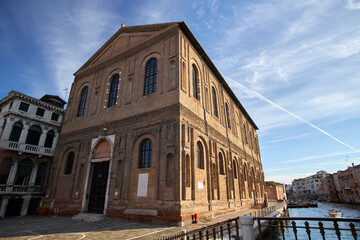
x=66, y=90
x=347, y=161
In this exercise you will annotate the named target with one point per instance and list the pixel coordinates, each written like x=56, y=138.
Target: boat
x=302, y=205
x=334, y=213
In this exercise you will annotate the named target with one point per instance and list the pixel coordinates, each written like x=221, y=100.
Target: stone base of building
x=165, y=216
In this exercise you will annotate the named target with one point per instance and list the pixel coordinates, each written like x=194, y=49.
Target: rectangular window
x=40, y=112
x=0, y=110
x=54, y=116
x=24, y=107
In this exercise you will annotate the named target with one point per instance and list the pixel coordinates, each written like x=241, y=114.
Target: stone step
x=89, y=217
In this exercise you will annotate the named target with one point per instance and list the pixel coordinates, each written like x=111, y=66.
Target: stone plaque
x=142, y=185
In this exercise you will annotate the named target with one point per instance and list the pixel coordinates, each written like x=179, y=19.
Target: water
x=348, y=211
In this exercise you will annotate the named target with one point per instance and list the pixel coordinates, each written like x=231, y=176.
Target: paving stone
x=65, y=228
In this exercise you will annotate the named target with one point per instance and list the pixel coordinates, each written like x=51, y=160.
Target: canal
x=347, y=210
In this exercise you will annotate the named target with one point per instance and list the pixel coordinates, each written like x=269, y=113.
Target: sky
x=294, y=65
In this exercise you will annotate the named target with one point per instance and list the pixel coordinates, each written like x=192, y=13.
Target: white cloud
x=69, y=35
x=301, y=119
x=345, y=48
x=289, y=138
x=353, y=4
x=300, y=55
x=206, y=11
x=308, y=158
x=285, y=177
x=149, y=14
x=277, y=169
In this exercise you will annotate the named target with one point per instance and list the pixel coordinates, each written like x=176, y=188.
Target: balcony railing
x=22, y=147
x=22, y=189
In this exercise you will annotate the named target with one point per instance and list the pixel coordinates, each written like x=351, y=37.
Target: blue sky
x=294, y=65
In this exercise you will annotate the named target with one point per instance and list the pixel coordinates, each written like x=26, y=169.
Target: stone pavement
x=39, y=227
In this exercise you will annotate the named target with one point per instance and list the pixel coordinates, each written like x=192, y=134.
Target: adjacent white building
x=309, y=187
x=29, y=131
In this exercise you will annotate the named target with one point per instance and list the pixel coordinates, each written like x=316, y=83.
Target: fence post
x=247, y=227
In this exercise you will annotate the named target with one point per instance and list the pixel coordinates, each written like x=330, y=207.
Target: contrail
x=288, y=112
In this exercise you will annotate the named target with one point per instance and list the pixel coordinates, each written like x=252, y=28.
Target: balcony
x=26, y=148
x=22, y=189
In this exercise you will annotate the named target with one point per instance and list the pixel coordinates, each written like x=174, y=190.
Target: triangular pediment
x=122, y=43
x=124, y=39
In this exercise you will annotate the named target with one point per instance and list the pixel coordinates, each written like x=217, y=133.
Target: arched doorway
x=99, y=177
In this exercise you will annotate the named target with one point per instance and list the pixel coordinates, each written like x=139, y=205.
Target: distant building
x=289, y=190
x=152, y=131
x=309, y=187
x=275, y=191
x=347, y=184
x=29, y=130
x=328, y=190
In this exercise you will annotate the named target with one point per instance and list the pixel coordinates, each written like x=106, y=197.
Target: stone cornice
x=13, y=95
x=35, y=120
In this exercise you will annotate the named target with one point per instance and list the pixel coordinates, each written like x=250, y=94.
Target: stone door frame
x=95, y=141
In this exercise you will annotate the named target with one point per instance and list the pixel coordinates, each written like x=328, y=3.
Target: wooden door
x=98, y=187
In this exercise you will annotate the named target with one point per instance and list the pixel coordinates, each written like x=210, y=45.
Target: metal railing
x=228, y=229
x=220, y=230
x=260, y=226
x=331, y=225
x=22, y=188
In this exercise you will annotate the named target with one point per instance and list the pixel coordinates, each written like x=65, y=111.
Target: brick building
x=275, y=191
x=347, y=184
x=153, y=132
x=29, y=130
x=328, y=190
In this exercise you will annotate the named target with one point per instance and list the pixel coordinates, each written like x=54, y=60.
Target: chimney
x=122, y=25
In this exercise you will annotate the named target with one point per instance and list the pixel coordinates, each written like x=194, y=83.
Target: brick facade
x=190, y=135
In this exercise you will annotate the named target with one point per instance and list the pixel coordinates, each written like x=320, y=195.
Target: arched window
x=23, y=172
x=145, y=154
x=41, y=174
x=150, y=76
x=16, y=132
x=251, y=140
x=200, y=155
x=33, y=136
x=5, y=170
x=49, y=139
x=195, y=81
x=221, y=164
x=245, y=134
x=113, y=91
x=227, y=115
x=188, y=170
x=235, y=169
x=245, y=173
x=82, y=104
x=69, y=163
x=184, y=78
x=214, y=98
